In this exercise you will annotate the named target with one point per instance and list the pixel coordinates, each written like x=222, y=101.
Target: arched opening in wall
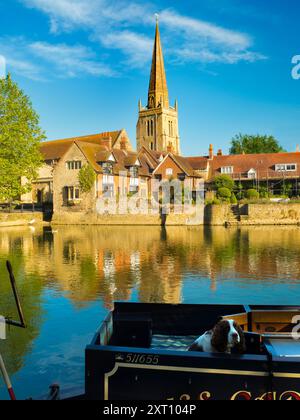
x=151, y=146
x=152, y=128
x=148, y=128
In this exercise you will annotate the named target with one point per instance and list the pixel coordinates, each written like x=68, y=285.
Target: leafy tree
x=224, y=181
x=87, y=178
x=20, y=137
x=247, y=144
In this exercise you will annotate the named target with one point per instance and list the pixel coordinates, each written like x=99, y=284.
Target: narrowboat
x=140, y=353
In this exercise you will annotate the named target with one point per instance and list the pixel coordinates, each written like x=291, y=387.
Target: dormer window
x=252, y=174
x=107, y=168
x=289, y=167
x=134, y=172
x=227, y=170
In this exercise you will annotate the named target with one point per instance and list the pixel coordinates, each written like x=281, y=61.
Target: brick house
x=271, y=170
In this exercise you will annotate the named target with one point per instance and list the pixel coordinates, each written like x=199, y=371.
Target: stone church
x=157, y=127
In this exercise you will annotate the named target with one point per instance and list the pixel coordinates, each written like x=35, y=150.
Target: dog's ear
x=241, y=347
x=219, y=339
x=217, y=321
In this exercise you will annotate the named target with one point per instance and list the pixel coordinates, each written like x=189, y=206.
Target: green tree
x=224, y=181
x=247, y=144
x=87, y=178
x=20, y=137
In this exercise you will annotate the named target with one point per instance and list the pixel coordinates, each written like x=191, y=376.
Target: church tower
x=157, y=127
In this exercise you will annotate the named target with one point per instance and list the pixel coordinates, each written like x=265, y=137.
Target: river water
x=69, y=278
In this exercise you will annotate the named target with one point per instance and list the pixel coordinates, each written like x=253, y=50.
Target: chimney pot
x=211, y=151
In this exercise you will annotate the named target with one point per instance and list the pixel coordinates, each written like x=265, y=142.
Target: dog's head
x=228, y=335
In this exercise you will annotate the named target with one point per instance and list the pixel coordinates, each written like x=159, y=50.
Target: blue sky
x=86, y=63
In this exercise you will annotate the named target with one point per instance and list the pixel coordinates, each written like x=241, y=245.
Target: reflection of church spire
x=158, y=90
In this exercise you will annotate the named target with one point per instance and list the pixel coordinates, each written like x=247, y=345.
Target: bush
x=224, y=194
x=215, y=201
x=252, y=194
x=233, y=199
x=224, y=181
x=263, y=192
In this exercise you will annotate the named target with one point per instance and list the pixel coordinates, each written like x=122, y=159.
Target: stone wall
x=216, y=215
x=20, y=219
x=272, y=214
x=253, y=215
x=129, y=220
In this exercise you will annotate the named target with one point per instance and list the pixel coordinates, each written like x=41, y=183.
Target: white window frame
x=72, y=193
x=284, y=167
x=252, y=174
x=169, y=172
x=227, y=170
x=74, y=165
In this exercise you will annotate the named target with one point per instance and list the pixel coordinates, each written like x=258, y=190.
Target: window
x=252, y=174
x=227, y=170
x=134, y=172
x=74, y=165
x=290, y=167
x=107, y=168
x=169, y=172
x=73, y=193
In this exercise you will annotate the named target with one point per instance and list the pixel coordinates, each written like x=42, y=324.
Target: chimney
x=107, y=141
x=123, y=144
x=220, y=153
x=297, y=149
x=211, y=151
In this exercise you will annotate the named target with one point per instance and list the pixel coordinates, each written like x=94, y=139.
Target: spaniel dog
x=227, y=336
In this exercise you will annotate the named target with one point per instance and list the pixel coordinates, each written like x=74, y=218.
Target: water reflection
x=76, y=273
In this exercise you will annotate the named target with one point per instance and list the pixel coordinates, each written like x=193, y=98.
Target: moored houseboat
x=140, y=353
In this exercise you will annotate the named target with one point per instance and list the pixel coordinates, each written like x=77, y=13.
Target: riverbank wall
x=270, y=214
x=194, y=219
x=20, y=219
x=279, y=214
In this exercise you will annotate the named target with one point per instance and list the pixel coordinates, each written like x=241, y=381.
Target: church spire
x=158, y=89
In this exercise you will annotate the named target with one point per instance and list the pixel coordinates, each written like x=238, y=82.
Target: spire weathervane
x=157, y=17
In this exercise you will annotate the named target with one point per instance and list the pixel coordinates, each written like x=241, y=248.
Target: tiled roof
x=263, y=164
x=198, y=163
x=52, y=150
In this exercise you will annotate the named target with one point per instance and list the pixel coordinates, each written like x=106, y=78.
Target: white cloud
x=124, y=25
x=136, y=47
x=31, y=59
x=197, y=29
x=70, y=60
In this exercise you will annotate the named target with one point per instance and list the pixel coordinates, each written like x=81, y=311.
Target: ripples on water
x=70, y=278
